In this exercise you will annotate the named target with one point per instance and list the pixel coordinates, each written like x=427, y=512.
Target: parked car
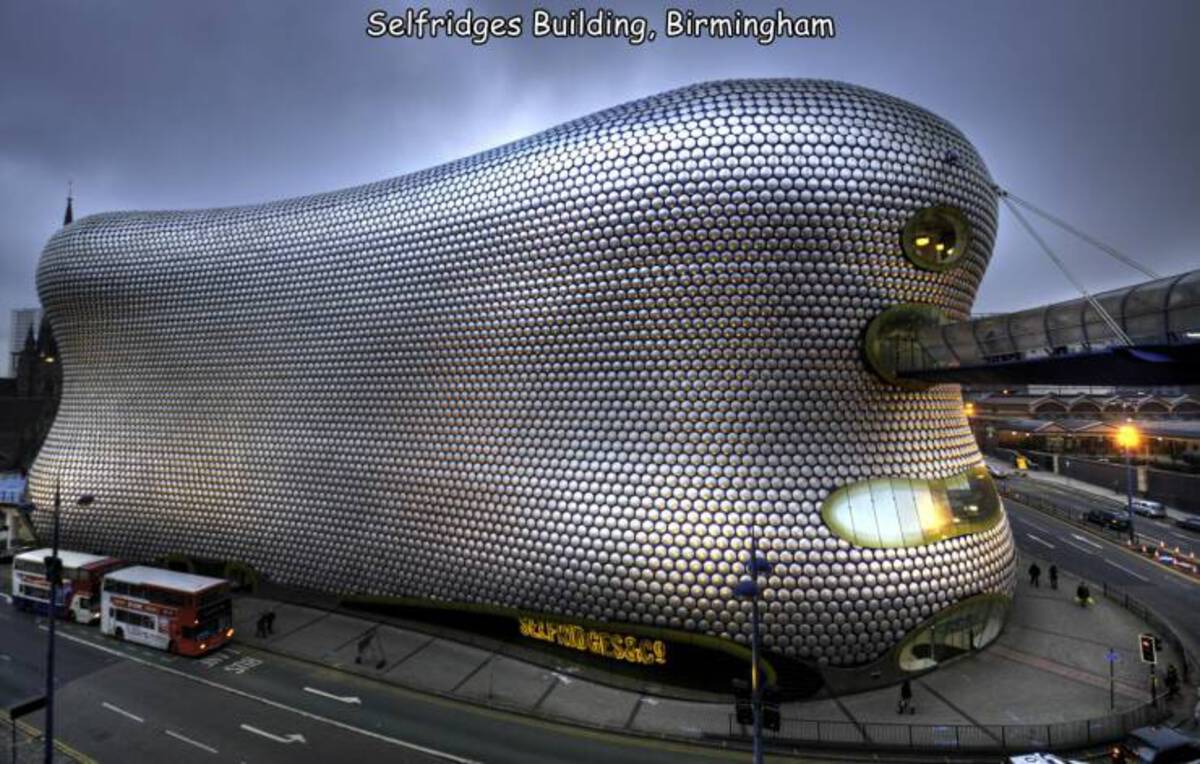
x=1149, y=508
x=1189, y=523
x=1156, y=745
x=1108, y=518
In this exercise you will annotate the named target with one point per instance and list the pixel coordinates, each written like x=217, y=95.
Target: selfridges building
x=565, y=380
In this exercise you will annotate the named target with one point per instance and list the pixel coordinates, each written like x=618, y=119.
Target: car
x=1108, y=518
x=1155, y=745
x=997, y=473
x=1149, y=508
x=1189, y=523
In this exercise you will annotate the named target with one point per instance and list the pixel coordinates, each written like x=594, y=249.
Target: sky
x=1087, y=108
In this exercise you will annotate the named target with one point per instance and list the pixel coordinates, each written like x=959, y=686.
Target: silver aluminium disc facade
x=566, y=375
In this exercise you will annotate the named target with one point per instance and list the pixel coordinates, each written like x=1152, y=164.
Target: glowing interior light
x=922, y=241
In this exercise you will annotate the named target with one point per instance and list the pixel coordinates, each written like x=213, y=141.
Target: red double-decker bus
x=78, y=596
x=178, y=612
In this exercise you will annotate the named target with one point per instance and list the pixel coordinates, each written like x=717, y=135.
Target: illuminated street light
x=1128, y=438
x=969, y=408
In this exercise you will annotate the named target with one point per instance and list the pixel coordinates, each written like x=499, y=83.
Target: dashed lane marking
x=1087, y=541
x=189, y=741
x=1083, y=549
x=122, y=712
x=275, y=704
x=1043, y=542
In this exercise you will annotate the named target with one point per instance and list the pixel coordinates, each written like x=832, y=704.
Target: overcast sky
x=1089, y=108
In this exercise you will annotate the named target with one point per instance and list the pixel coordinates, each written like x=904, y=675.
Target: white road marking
x=5, y=657
x=295, y=737
x=275, y=703
x=1040, y=541
x=1087, y=541
x=340, y=698
x=122, y=712
x=1127, y=570
x=566, y=680
x=1085, y=550
x=189, y=741
x=1188, y=539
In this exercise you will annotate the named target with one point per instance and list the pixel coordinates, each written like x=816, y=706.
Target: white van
x=1149, y=508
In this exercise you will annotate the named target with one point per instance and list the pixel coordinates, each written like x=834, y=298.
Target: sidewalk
x=1048, y=666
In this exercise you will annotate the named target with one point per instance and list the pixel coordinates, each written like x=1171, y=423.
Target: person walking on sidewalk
x=1035, y=574
x=905, y=699
x=270, y=622
x=1054, y=577
x=260, y=627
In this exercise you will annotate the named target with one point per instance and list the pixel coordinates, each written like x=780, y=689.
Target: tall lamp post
x=747, y=588
x=1128, y=439
x=54, y=575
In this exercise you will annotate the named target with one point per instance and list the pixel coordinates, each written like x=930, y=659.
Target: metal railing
x=965, y=738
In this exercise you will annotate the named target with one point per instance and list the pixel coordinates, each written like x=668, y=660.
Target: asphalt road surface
x=119, y=703
x=1082, y=501
x=1090, y=554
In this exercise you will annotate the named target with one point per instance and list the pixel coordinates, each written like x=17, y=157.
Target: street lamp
x=54, y=575
x=1128, y=438
x=748, y=588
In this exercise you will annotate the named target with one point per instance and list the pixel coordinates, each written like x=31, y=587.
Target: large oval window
x=936, y=238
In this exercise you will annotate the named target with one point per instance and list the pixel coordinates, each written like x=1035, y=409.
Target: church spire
x=69, y=215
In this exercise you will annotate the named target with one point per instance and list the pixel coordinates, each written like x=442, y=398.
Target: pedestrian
x=270, y=621
x=363, y=644
x=1053, y=576
x=1172, y=682
x=905, y=699
x=1035, y=573
x=260, y=628
x=1083, y=595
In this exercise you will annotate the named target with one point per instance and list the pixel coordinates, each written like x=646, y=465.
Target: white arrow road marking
x=331, y=696
x=122, y=712
x=1043, y=542
x=1087, y=541
x=273, y=703
x=1127, y=570
x=561, y=678
x=189, y=741
x=295, y=737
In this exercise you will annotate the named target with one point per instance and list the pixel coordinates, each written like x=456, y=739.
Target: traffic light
x=1146, y=644
x=53, y=570
x=741, y=702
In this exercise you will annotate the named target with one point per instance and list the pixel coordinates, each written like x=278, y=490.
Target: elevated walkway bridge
x=1141, y=335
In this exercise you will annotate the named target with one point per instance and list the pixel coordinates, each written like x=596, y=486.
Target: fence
x=959, y=738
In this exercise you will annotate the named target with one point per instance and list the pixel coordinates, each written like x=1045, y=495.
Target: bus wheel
x=119, y=634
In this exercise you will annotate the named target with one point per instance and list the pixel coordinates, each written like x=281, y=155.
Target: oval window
x=936, y=238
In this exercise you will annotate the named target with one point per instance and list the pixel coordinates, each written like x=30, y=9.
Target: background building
x=23, y=323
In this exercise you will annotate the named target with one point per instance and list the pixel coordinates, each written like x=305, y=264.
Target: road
x=119, y=702
x=1091, y=555
x=1082, y=501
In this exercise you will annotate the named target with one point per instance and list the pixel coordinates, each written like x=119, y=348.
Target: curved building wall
x=564, y=375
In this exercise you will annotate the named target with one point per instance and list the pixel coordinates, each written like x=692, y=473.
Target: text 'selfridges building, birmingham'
x=560, y=382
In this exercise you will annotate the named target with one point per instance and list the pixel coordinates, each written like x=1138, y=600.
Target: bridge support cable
x=1107, y=249
x=1113, y=326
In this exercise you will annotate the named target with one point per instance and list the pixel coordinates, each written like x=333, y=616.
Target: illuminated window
x=894, y=512
x=936, y=238
x=904, y=337
x=954, y=631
